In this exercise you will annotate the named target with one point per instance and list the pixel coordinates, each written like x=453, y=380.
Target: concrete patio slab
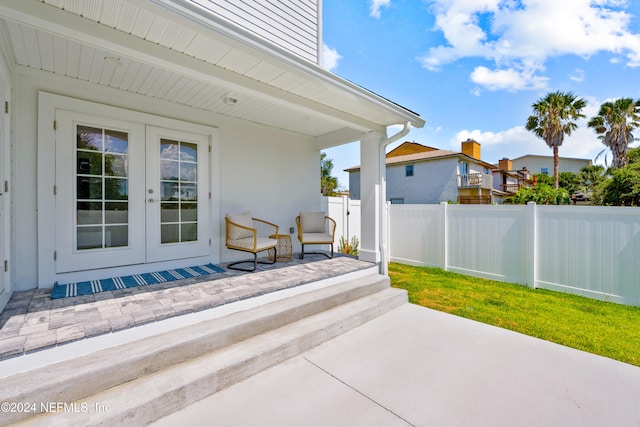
x=416, y=366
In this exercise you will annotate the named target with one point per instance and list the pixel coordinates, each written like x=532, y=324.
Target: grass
x=603, y=328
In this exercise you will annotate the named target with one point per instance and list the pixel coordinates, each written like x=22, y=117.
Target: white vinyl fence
x=586, y=250
x=590, y=251
x=346, y=213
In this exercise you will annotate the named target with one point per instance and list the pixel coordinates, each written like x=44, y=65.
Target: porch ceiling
x=175, y=51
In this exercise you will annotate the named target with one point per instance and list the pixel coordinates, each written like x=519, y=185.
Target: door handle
x=151, y=200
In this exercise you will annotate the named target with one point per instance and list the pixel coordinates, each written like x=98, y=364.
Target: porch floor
x=32, y=320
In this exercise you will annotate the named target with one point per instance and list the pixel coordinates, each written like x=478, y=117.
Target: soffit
x=168, y=53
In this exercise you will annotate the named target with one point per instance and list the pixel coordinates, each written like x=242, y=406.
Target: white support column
x=371, y=157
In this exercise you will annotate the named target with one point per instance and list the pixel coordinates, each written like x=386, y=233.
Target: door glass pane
x=116, y=213
x=188, y=152
x=102, y=191
x=169, y=212
x=179, y=191
x=115, y=165
x=169, y=233
x=89, y=237
x=89, y=213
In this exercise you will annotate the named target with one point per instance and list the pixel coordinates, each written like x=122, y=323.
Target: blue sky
x=472, y=68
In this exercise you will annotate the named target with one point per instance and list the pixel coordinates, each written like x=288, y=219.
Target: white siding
x=434, y=181
x=290, y=24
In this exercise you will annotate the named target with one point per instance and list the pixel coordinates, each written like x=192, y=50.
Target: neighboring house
x=544, y=164
x=129, y=128
x=419, y=174
x=508, y=180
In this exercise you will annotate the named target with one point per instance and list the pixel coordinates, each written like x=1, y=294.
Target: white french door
x=177, y=194
x=127, y=193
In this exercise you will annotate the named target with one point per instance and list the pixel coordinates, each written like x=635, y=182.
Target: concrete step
x=138, y=382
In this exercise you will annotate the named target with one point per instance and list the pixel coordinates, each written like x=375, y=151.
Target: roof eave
x=190, y=11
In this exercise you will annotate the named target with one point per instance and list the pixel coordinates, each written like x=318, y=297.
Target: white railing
x=586, y=250
x=475, y=180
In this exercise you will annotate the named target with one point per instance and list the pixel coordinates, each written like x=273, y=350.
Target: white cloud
x=578, y=75
x=376, y=5
x=509, y=79
x=330, y=58
x=520, y=36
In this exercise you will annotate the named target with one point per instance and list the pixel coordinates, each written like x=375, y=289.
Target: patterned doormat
x=75, y=289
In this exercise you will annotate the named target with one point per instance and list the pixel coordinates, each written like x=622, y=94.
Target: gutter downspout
x=382, y=168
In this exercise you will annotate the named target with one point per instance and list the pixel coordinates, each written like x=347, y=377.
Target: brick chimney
x=471, y=148
x=505, y=164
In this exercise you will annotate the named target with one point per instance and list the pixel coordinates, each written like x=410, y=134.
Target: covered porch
x=176, y=75
x=33, y=321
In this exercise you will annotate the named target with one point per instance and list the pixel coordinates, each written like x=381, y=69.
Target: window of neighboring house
x=408, y=170
x=397, y=201
x=544, y=171
x=464, y=168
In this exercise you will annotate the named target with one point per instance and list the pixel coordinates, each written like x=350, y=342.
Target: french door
x=177, y=210
x=127, y=193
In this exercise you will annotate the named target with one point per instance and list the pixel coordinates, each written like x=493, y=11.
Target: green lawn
x=603, y=328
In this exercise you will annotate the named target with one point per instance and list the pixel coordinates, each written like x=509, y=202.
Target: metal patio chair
x=248, y=234
x=315, y=228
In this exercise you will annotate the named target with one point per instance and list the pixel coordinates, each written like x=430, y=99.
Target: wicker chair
x=248, y=234
x=315, y=228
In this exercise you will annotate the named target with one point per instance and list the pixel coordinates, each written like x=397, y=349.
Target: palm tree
x=552, y=119
x=328, y=183
x=614, y=123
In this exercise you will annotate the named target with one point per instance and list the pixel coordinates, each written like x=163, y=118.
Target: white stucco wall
x=535, y=164
x=272, y=173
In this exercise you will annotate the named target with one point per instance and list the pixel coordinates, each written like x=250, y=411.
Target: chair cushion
x=311, y=238
x=262, y=243
x=244, y=219
x=312, y=222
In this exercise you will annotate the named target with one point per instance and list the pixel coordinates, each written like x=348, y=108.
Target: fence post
x=532, y=246
x=445, y=235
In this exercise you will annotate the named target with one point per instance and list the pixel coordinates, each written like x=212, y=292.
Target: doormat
x=75, y=289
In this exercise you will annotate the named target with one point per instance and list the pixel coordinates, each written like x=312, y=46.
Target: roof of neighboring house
x=412, y=152
x=409, y=148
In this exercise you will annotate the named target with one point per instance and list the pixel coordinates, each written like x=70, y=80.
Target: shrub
x=349, y=248
x=542, y=194
x=621, y=189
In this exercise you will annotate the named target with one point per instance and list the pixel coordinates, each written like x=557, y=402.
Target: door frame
x=48, y=103
x=6, y=249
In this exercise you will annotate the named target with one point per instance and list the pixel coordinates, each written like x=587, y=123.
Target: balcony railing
x=510, y=188
x=475, y=180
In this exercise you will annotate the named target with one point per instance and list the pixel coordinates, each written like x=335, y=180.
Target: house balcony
x=475, y=180
x=510, y=188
